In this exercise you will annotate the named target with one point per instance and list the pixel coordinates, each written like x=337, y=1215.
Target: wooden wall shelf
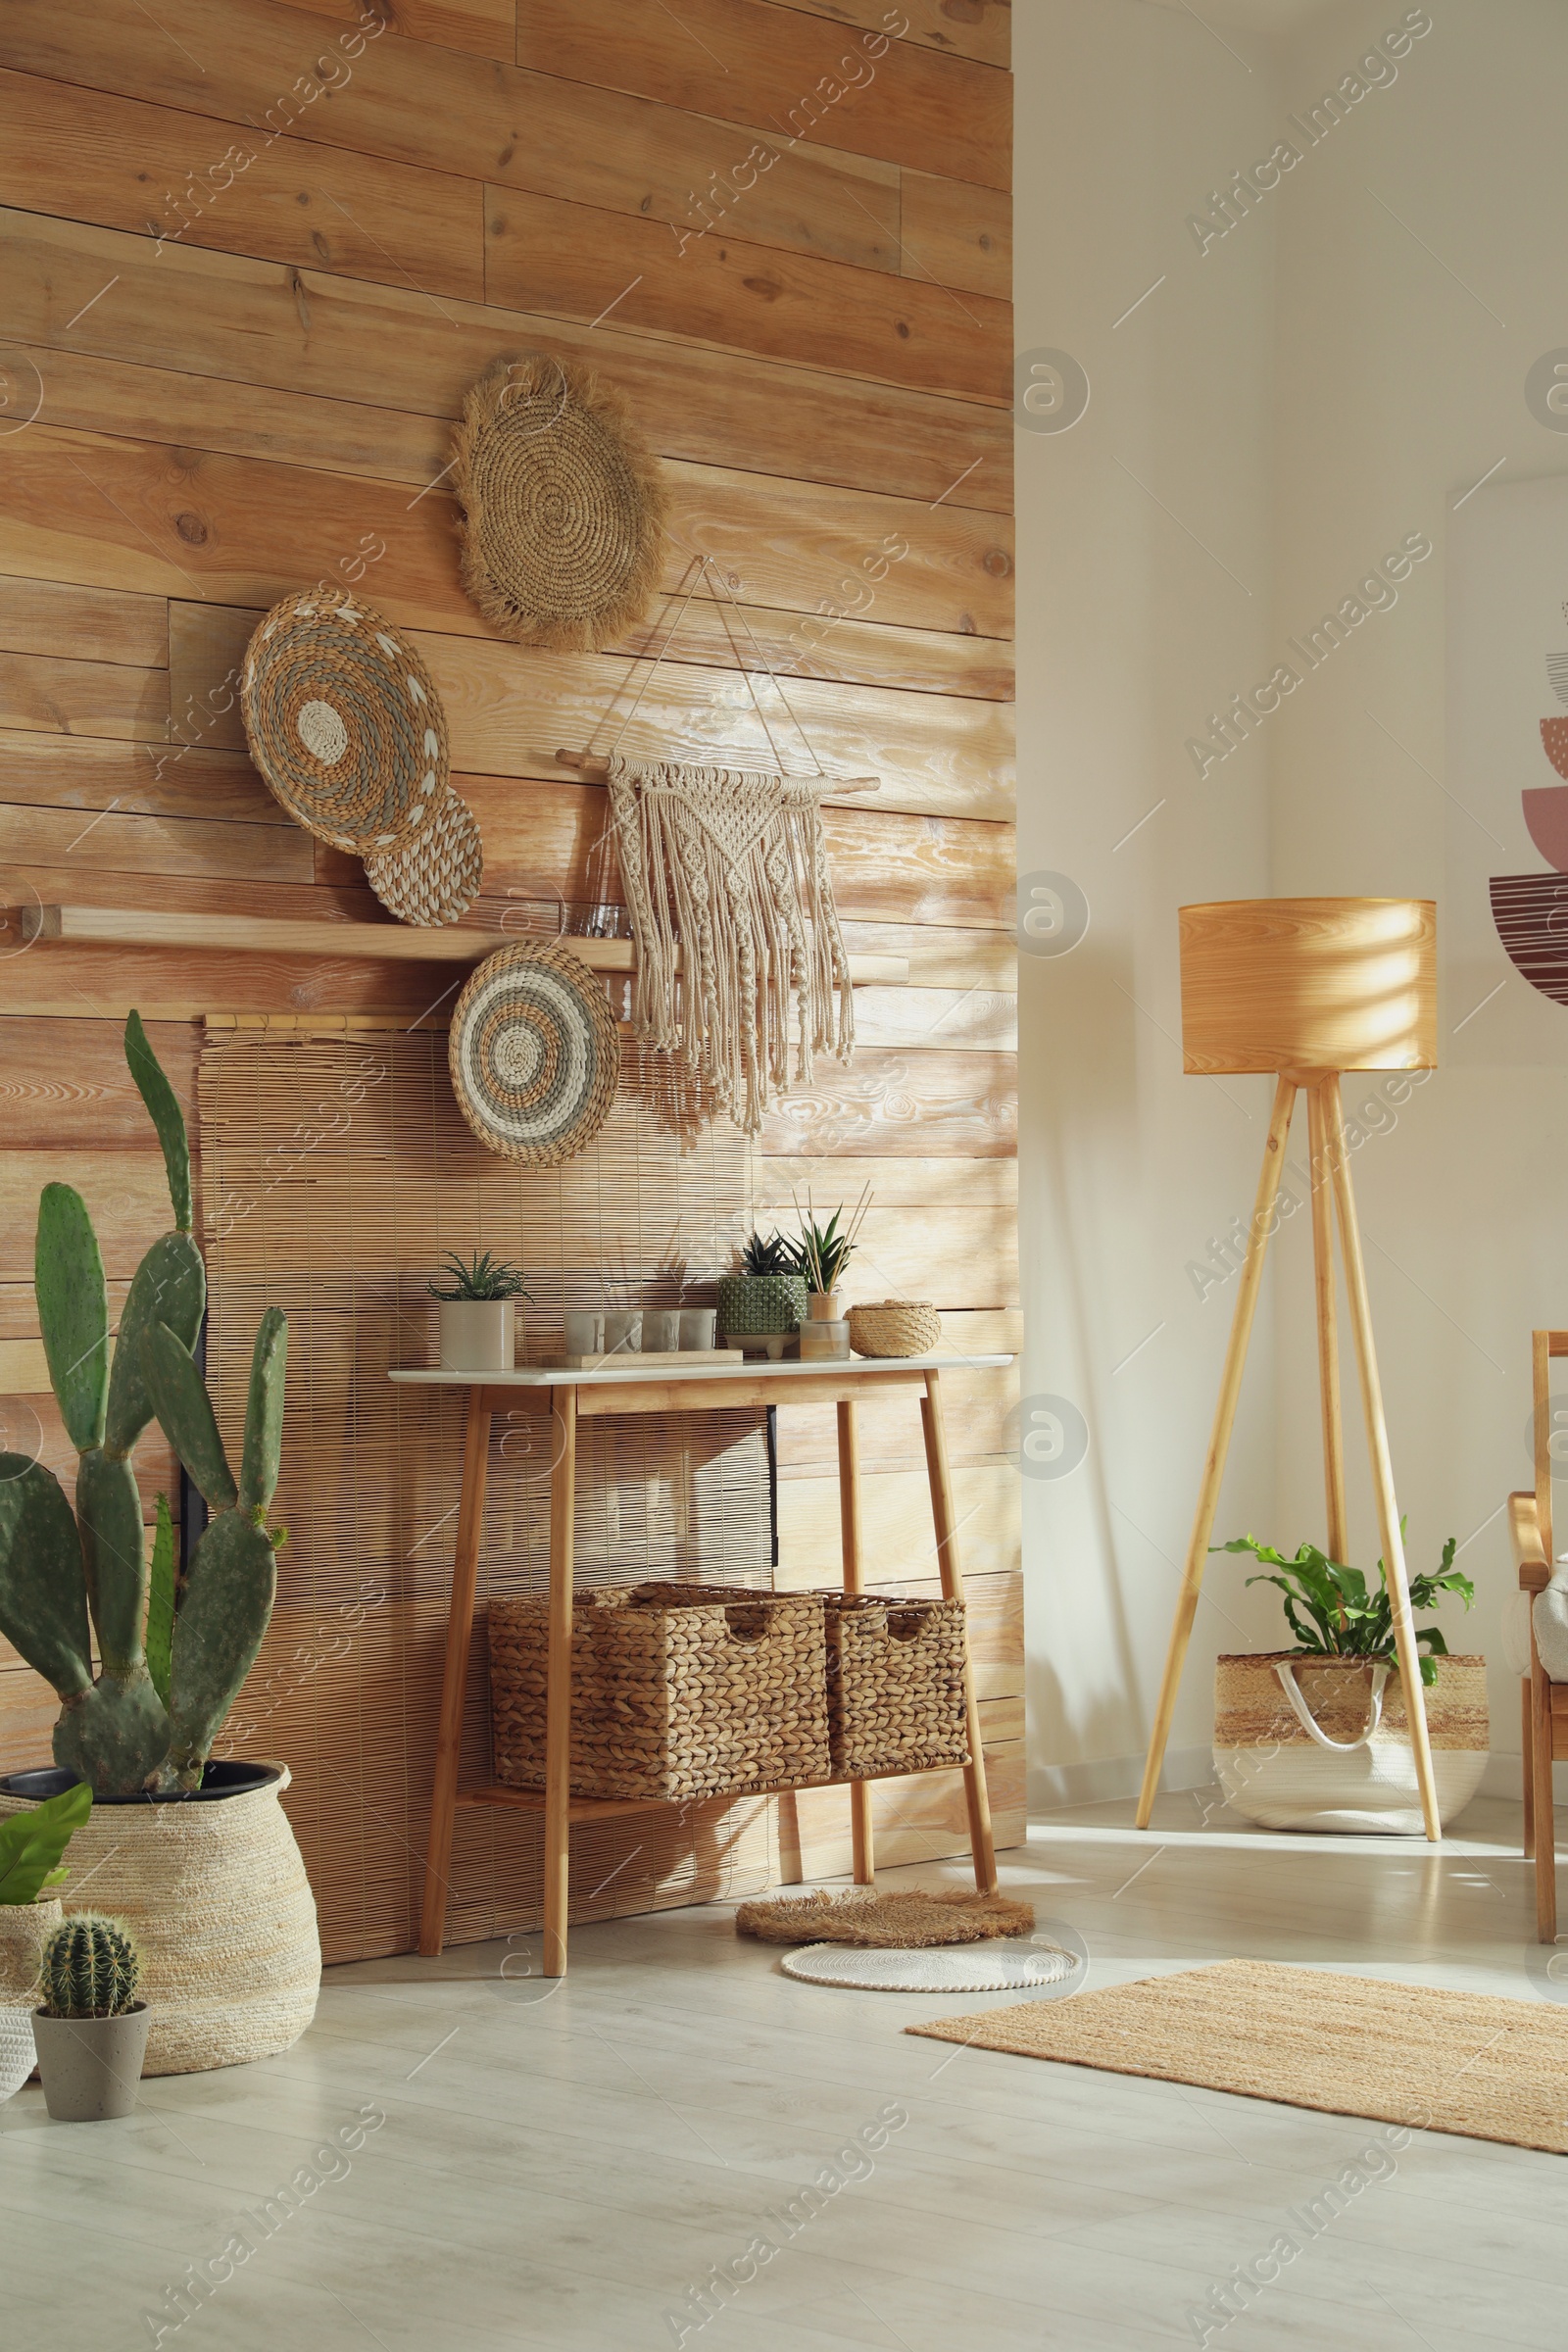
x=399, y=942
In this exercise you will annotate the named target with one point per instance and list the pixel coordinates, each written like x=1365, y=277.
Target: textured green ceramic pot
x=760, y=1303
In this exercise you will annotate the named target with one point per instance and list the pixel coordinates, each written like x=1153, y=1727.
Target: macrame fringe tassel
x=733, y=868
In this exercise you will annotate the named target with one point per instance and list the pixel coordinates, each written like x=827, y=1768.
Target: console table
x=564, y=1397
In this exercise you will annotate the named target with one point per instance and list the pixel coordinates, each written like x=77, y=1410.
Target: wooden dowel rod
x=596, y=767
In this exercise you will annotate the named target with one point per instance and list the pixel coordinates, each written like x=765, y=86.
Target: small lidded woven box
x=895, y=1685
x=677, y=1690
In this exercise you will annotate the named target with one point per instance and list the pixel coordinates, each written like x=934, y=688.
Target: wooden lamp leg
x=1328, y=1336
x=1230, y=1389
x=460, y=1627
x=865, y=1854
x=558, y=1678
x=1377, y=1438
x=977, y=1796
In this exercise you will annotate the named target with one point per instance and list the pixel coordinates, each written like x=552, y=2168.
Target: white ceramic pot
x=213, y=1888
x=1324, y=1744
x=478, y=1335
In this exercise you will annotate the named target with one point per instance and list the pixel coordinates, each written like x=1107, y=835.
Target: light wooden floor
x=558, y=2168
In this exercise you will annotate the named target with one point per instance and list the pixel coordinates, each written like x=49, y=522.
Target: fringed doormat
x=914, y=1915
x=1425, y=2059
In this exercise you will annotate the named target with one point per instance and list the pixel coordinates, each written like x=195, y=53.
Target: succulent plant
x=90, y=1968
x=771, y=1257
x=482, y=1279
x=822, y=1251
x=137, y=1725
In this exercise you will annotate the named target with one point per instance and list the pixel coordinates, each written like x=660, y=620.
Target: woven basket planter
x=756, y=1305
x=895, y=1327
x=25, y=1929
x=1275, y=1772
x=894, y=1683
x=215, y=1892
x=677, y=1690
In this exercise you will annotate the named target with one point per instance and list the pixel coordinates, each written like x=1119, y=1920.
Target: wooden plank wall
x=252, y=256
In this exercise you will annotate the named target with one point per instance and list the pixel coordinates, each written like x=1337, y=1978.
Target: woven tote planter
x=894, y=1683
x=677, y=1690
x=895, y=1327
x=1277, y=1772
x=215, y=1892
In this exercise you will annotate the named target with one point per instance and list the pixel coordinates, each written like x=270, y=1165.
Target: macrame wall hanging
x=726, y=876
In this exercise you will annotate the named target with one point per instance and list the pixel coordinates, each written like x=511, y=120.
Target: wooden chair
x=1545, y=1701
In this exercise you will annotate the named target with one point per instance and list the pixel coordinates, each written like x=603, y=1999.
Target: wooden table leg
x=1527, y=1753
x=459, y=1626
x=1376, y=1439
x=1230, y=1389
x=860, y=1837
x=977, y=1796
x=1328, y=1336
x=557, y=1674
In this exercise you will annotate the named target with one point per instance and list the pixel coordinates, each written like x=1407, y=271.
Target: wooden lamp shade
x=1306, y=988
x=1309, y=984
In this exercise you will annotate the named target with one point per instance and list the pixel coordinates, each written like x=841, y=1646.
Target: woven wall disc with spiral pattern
x=563, y=539
x=344, y=721
x=435, y=877
x=534, y=1054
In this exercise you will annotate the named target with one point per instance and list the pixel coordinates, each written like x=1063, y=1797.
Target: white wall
x=1294, y=400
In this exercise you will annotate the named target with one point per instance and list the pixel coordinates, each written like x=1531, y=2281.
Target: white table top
x=630, y=1367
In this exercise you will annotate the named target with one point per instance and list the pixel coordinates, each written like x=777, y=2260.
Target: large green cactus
x=115, y=1731
x=232, y=1575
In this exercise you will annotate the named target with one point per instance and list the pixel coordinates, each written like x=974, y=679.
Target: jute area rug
x=914, y=1915
x=1431, y=2060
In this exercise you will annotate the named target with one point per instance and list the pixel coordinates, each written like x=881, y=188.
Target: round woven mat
x=534, y=1054
x=933, y=1968
x=563, y=506
x=344, y=723
x=435, y=877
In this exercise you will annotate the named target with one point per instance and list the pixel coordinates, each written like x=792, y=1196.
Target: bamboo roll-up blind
x=336, y=1170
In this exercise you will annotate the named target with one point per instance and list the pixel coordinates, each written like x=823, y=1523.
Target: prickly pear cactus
x=92, y=1967
x=115, y=1732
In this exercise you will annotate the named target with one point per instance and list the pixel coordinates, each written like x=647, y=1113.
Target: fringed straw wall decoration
x=336, y=1170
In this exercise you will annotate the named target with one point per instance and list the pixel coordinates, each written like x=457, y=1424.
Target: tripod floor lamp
x=1306, y=989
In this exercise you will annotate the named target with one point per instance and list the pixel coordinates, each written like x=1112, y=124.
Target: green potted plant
x=30, y=1849
x=174, y=1647
x=1317, y=1737
x=479, y=1321
x=765, y=1300
x=91, y=2030
x=822, y=1253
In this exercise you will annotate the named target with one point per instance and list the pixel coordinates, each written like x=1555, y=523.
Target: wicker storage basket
x=894, y=1683
x=895, y=1327
x=677, y=1690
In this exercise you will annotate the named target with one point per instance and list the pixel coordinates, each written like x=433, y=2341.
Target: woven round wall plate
x=434, y=877
x=344, y=721
x=563, y=506
x=534, y=1054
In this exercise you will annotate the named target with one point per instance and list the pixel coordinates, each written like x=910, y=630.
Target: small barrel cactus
x=92, y=1967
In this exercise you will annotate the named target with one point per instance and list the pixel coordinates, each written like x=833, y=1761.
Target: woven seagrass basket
x=677, y=1690
x=895, y=1327
x=894, y=1683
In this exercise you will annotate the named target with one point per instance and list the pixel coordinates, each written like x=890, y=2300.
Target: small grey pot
x=90, y=2065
